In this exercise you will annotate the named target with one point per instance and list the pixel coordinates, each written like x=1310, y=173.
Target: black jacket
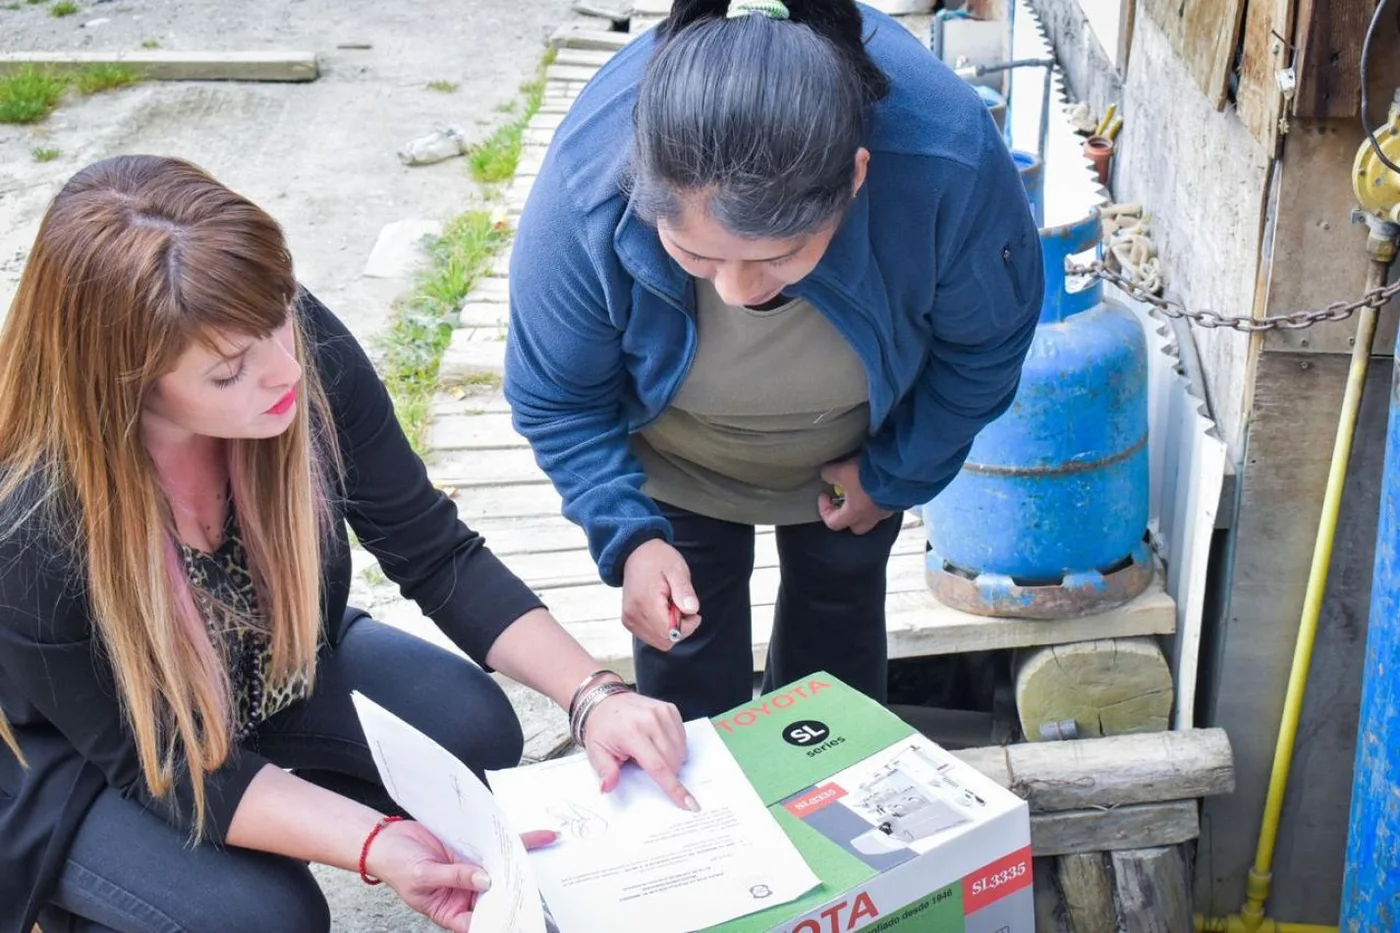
x=56, y=686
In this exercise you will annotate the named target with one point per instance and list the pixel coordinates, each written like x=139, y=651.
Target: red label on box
x=808, y=804
x=995, y=881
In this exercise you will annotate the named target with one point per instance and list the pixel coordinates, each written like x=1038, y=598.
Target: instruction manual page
x=633, y=860
x=440, y=792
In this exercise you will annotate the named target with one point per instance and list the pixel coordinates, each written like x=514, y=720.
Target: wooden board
x=1076, y=832
x=1330, y=33
x=1259, y=100
x=1203, y=34
x=572, y=36
x=1202, y=176
x=160, y=65
x=1126, y=769
x=1296, y=402
x=1153, y=892
x=1319, y=256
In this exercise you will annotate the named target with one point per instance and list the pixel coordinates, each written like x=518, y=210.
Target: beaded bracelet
x=579, y=720
x=364, y=849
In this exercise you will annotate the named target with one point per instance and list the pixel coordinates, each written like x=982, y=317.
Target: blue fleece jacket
x=934, y=279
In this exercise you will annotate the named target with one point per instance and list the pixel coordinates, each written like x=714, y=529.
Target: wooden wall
x=1251, y=210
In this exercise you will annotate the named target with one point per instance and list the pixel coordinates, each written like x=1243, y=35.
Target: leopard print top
x=224, y=594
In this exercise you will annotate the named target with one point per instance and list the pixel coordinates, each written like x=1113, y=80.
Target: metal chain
x=1294, y=320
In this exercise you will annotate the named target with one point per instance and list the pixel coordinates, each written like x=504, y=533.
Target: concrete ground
x=320, y=157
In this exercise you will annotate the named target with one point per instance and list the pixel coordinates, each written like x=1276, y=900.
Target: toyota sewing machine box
x=904, y=836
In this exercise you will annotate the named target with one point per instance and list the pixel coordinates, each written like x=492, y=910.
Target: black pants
x=830, y=613
x=130, y=871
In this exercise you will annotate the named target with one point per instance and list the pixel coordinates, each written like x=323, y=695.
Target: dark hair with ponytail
x=764, y=116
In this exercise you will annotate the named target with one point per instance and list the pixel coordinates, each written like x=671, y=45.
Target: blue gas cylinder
x=1048, y=517
x=1032, y=171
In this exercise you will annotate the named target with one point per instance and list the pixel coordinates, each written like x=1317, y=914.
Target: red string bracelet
x=364, y=850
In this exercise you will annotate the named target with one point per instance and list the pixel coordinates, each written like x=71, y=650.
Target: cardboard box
x=903, y=836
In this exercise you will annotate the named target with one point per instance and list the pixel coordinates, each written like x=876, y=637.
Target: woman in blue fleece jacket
x=775, y=250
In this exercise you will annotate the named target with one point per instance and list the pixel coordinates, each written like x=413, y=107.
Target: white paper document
x=445, y=796
x=633, y=860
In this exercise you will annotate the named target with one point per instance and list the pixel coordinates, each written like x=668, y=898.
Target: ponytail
x=836, y=21
x=763, y=115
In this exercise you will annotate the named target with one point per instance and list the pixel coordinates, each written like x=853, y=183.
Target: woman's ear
x=862, y=164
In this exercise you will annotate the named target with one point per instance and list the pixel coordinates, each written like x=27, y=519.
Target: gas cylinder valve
x=1377, y=186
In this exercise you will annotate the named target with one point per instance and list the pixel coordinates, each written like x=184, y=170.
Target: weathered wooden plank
x=1109, y=686
x=1086, y=884
x=916, y=625
x=466, y=358
x=1330, y=34
x=1111, y=772
x=599, y=603
x=579, y=73
x=1296, y=401
x=486, y=468
x=571, y=36
x=470, y=400
x=481, y=431
x=564, y=568
x=1318, y=256
x=1076, y=832
x=1204, y=34
x=1153, y=892
x=587, y=58
x=160, y=65
x=1259, y=99
x=490, y=288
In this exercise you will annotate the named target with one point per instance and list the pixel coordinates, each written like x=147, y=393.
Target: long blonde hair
x=137, y=257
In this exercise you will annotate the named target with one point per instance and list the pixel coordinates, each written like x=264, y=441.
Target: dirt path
x=321, y=157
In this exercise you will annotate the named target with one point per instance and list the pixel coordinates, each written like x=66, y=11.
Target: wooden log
x=159, y=65
x=1154, y=894
x=1139, y=826
x=1146, y=768
x=1086, y=884
x=1110, y=686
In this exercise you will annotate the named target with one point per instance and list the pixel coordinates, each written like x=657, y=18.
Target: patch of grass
x=495, y=159
x=30, y=94
x=445, y=87
x=421, y=327
x=150, y=44
x=507, y=107
x=36, y=2
x=374, y=576
x=63, y=8
x=14, y=6
x=42, y=154
x=107, y=76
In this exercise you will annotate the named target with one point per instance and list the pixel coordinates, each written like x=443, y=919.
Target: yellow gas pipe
x=1381, y=247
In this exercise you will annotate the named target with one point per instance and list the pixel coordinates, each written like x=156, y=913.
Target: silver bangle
x=579, y=721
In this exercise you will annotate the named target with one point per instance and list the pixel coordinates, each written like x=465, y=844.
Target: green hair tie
x=773, y=9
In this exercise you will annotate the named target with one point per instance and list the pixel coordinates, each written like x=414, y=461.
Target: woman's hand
x=859, y=512
x=654, y=578
x=628, y=726
x=429, y=878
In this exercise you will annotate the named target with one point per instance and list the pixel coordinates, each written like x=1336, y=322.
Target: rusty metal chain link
x=1294, y=320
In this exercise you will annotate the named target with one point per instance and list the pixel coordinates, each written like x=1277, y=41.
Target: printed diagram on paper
x=633, y=860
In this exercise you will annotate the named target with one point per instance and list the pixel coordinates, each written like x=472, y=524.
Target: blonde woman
x=184, y=436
